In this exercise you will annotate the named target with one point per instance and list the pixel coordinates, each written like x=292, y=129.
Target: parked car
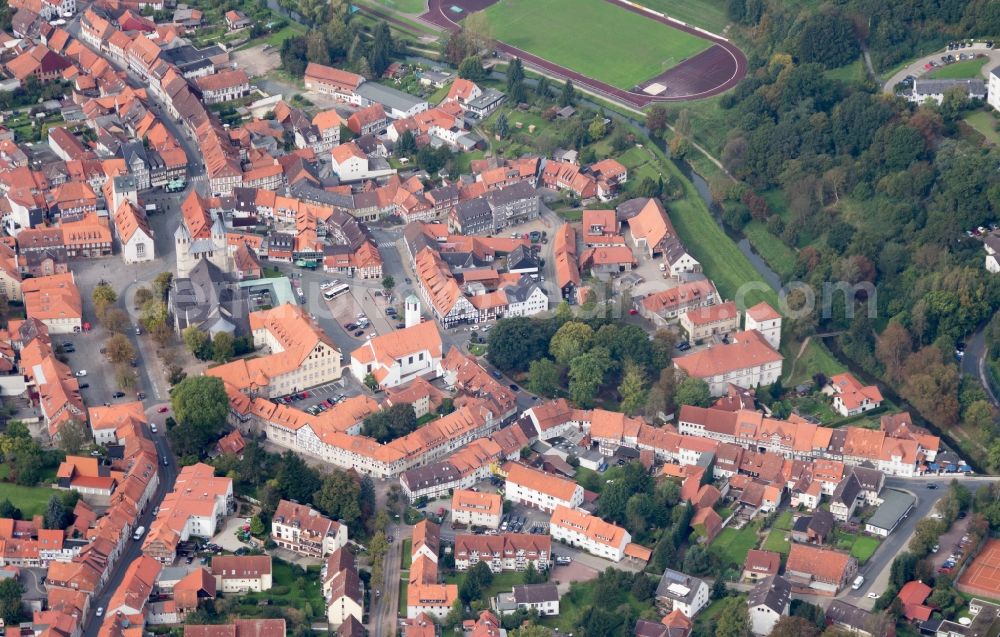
x=118, y=394
x=163, y=410
x=81, y=373
x=84, y=385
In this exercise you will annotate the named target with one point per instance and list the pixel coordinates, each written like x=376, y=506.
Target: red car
x=305, y=394
x=633, y=311
x=163, y=410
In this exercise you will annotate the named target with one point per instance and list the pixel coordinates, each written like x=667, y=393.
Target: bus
x=336, y=291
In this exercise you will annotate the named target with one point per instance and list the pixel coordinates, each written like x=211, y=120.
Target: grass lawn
x=984, y=123
x=816, y=358
x=580, y=599
x=784, y=521
x=853, y=72
x=732, y=545
x=31, y=500
x=403, y=584
x=302, y=588
x=721, y=259
x=502, y=582
x=776, y=542
x=407, y=556
x=464, y=160
x=779, y=256
x=575, y=34
x=964, y=70
x=477, y=350
x=403, y=6
x=864, y=547
x=704, y=623
x=707, y=14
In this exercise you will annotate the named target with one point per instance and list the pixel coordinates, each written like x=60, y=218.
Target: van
x=858, y=581
x=138, y=533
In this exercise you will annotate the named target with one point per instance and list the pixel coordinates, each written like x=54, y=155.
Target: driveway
x=226, y=537
x=916, y=68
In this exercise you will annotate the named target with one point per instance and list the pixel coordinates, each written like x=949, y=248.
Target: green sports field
x=593, y=37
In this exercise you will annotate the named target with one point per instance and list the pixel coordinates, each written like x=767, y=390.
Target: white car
x=873, y=595
x=81, y=373
x=100, y=611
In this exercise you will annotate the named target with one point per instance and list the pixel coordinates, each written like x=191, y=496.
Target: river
x=742, y=242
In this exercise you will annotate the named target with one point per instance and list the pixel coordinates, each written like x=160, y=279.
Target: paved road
x=916, y=68
x=974, y=361
x=133, y=549
x=385, y=607
x=876, y=571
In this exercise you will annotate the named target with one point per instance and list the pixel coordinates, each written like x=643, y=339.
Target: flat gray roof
x=894, y=506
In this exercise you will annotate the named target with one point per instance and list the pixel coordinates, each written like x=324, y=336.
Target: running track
x=711, y=72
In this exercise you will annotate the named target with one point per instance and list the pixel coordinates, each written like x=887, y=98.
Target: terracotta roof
x=241, y=566
x=596, y=529
x=746, y=350
x=822, y=564
x=762, y=562
x=763, y=312
x=541, y=482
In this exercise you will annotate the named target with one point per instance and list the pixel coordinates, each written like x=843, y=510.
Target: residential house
x=542, y=598
x=242, y=573
x=541, y=490
x=475, y=508
x=589, y=533
x=851, y=398
x=819, y=571
x=759, y=565
x=680, y=592
x=303, y=530
x=504, y=552
x=767, y=603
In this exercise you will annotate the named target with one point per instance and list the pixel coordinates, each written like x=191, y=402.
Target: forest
x=867, y=189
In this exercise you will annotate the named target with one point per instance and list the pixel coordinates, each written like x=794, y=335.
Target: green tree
x=791, y=626
x=118, y=349
x=196, y=340
x=200, y=405
x=501, y=128
x=162, y=283
x=656, y=119
x=381, y=49
x=73, y=437
x=154, y=314
x=295, y=479
x=632, y=388
x=257, y=526
x=103, y=295
x=8, y=510
x=693, y=391
x=586, y=374
x=568, y=95
x=570, y=340
x=222, y=347
x=597, y=129
x=697, y=561
x=542, y=87
x=391, y=423
x=471, y=68
x=544, y=377
x=115, y=320
x=388, y=283
x=11, y=594
x=406, y=145
x=56, y=516
x=339, y=496
x=142, y=295
x=733, y=620
x=477, y=579
x=532, y=575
